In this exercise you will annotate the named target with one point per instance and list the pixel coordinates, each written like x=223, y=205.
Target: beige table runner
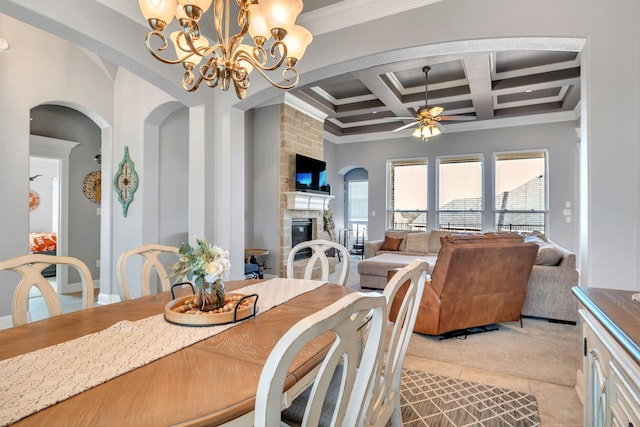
x=33, y=381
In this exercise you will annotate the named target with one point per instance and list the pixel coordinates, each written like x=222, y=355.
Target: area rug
x=435, y=401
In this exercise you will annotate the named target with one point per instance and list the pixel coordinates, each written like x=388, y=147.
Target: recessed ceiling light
x=529, y=90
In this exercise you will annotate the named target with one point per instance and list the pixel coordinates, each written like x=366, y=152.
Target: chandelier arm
x=189, y=83
x=219, y=11
x=165, y=44
x=284, y=76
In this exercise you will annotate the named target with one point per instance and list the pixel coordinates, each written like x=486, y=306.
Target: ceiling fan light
x=432, y=130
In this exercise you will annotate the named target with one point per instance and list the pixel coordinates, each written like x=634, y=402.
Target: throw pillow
x=417, y=242
x=535, y=235
x=391, y=243
x=548, y=254
x=398, y=235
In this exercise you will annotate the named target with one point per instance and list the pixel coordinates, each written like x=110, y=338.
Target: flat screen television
x=311, y=175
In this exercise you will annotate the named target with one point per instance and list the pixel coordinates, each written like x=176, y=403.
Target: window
x=521, y=191
x=460, y=202
x=407, y=201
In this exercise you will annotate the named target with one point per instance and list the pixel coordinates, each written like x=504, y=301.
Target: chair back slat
x=343, y=320
x=319, y=249
x=151, y=255
x=30, y=269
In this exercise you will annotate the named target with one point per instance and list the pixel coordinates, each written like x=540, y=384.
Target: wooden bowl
x=206, y=318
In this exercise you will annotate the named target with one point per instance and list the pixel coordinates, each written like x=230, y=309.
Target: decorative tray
x=237, y=307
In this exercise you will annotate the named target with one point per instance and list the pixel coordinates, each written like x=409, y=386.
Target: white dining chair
x=30, y=268
x=319, y=249
x=151, y=255
x=385, y=405
x=385, y=397
x=342, y=320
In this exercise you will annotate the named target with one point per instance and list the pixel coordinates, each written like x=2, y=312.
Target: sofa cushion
x=435, y=240
x=397, y=235
x=391, y=243
x=417, y=242
x=484, y=238
x=548, y=253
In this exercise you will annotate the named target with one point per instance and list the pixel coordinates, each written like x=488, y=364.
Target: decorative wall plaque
x=125, y=181
x=91, y=186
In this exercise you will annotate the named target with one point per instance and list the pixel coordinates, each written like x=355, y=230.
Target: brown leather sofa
x=478, y=280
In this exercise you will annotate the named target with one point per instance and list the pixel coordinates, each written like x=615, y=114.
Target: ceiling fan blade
x=401, y=118
x=459, y=118
x=439, y=126
x=434, y=111
x=404, y=127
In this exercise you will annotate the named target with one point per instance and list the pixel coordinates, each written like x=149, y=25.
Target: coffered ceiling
x=493, y=89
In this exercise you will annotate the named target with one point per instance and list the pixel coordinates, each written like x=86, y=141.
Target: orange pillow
x=42, y=242
x=391, y=243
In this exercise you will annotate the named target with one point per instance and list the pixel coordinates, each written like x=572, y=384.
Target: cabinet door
x=596, y=374
x=624, y=398
x=596, y=390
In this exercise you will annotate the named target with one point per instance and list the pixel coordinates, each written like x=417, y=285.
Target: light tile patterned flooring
x=559, y=406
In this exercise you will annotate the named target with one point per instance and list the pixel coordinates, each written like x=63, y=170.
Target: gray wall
x=84, y=223
x=559, y=138
x=173, y=179
x=265, y=184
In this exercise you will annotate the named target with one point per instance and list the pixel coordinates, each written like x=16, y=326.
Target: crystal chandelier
x=229, y=60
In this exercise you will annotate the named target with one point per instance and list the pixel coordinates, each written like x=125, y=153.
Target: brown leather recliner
x=478, y=280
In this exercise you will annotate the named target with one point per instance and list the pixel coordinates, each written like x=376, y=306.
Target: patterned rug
x=435, y=401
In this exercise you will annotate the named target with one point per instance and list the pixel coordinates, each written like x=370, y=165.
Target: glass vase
x=211, y=295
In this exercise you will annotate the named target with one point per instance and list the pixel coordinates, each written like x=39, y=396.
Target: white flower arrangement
x=201, y=263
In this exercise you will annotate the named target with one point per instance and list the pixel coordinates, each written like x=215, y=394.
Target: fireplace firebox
x=301, y=231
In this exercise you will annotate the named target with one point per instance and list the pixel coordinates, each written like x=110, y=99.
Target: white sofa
x=549, y=293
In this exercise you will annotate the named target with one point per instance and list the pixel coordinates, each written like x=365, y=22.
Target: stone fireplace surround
x=298, y=132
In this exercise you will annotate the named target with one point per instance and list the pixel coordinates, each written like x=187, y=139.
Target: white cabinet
x=611, y=378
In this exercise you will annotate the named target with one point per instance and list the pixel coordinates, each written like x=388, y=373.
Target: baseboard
x=77, y=287
x=106, y=299
x=6, y=322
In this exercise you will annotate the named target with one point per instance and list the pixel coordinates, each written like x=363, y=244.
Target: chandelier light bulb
x=281, y=14
x=203, y=5
x=227, y=62
x=180, y=14
x=183, y=49
x=248, y=49
x=158, y=10
x=297, y=40
x=257, y=24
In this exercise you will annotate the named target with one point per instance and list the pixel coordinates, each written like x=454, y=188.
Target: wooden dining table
x=212, y=382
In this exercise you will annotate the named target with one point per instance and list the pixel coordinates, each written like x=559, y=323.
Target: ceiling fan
x=428, y=119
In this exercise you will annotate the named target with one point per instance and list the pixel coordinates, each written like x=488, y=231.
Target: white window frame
x=524, y=155
x=390, y=213
x=479, y=157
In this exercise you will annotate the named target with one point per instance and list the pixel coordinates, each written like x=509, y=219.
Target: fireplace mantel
x=297, y=200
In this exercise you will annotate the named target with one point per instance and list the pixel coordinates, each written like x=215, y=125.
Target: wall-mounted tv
x=311, y=175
